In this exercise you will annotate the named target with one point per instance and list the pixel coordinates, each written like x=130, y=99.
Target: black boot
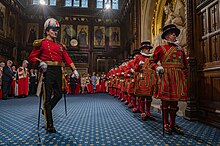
x=51, y=129
x=177, y=130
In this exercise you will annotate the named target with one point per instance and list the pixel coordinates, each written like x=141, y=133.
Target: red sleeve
x=34, y=55
x=66, y=57
x=129, y=66
x=158, y=55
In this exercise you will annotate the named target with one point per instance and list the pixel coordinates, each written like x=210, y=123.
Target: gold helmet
x=51, y=23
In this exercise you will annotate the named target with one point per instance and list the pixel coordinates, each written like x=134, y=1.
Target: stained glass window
x=84, y=3
x=44, y=2
x=99, y=3
x=68, y=3
x=107, y=3
x=53, y=2
x=76, y=3
x=114, y=4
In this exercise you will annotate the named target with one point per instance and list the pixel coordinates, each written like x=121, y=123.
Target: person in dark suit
x=7, y=79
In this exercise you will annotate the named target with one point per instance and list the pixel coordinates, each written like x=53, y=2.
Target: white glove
x=159, y=70
x=122, y=73
x=128, y=75
x=141, y=62
x=132, y=70
x=76, y=73
x=73, y=75
x=43, y=66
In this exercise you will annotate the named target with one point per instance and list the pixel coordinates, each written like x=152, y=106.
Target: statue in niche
x=177, y=17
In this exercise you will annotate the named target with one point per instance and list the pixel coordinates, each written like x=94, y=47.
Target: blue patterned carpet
x=93, y=119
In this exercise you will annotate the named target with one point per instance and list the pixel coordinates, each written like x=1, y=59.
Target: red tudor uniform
x=175, y=67
x=130, y=83
x=145, y=80
x=124, y=95
x=172, y=86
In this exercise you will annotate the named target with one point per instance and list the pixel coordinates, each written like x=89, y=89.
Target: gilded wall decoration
x=99, y=36
x=173, y=12
x=82, y=35
x=114, y=37
x=67, y=33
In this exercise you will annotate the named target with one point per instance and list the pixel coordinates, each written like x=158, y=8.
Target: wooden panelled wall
x=89, y=58
x=207, y=54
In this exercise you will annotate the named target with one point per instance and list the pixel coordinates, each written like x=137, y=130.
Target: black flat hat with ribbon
x=135, y=51
x=168, y=29
x=146, y=44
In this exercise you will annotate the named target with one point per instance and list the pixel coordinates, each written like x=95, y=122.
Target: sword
x=65, y=102
x=39, y=110
x=42, y=93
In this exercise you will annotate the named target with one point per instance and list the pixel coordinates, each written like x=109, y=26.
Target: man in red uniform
x=145, y=79
x=172, y=73
x=130, y=81
x=50, y=55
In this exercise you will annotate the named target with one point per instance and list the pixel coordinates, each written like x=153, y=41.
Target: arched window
x=106, y=3
x=76, y=3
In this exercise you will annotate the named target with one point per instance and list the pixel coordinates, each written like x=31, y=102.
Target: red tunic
x=50, y=51
x=103, y=88
x=22, y=81
x=123, y=79
x=13, y=86
x=130, y=81
x=172, y=86
x=145, y=78
x=77, y=90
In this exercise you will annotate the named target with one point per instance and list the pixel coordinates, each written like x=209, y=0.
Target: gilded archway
x=153, y=16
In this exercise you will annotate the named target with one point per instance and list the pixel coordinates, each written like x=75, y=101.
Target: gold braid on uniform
x=37, y=43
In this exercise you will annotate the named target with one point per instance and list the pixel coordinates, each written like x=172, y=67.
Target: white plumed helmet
x=51, y=23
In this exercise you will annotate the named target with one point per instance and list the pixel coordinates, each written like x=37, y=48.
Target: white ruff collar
x=147, y=55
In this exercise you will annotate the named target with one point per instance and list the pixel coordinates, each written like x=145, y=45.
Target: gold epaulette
x=37, y=43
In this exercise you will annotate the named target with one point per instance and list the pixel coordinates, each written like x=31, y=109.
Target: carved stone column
x=191, y=110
